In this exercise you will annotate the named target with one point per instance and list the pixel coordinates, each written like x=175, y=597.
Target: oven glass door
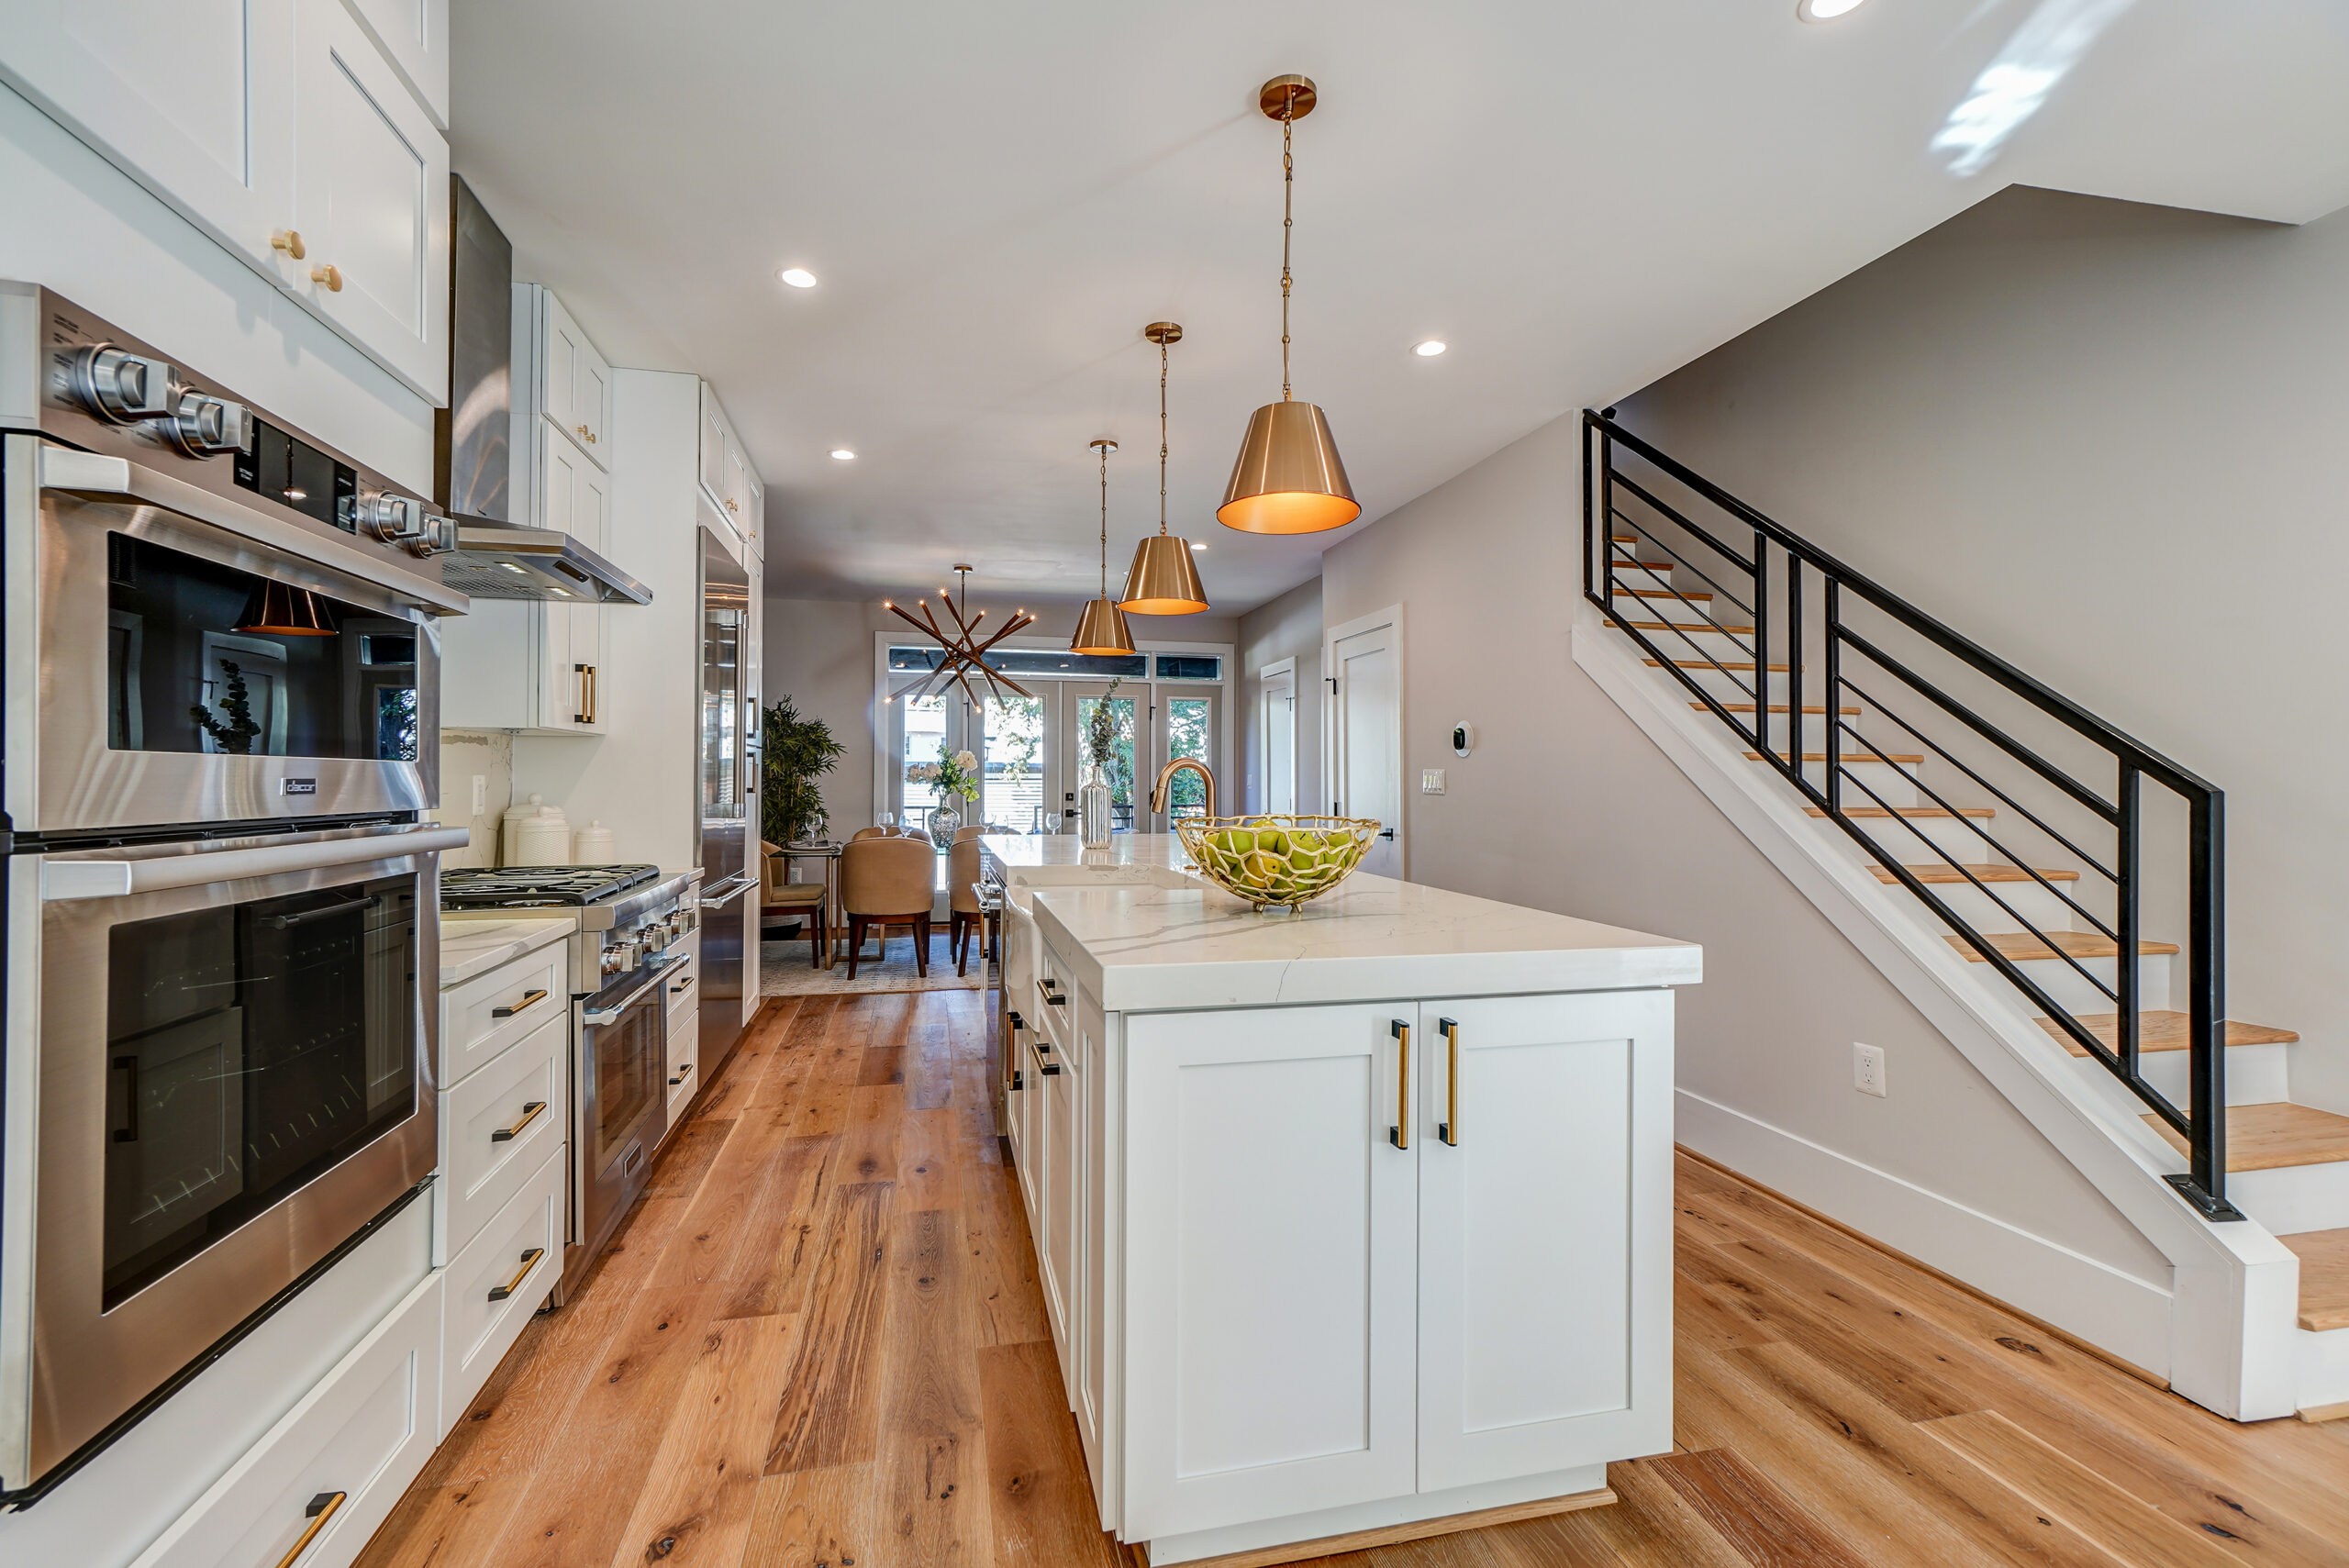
x=250, y=1047
x=630, y=1052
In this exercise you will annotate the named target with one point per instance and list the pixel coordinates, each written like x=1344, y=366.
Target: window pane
x=915, y=658
x=1012, y=792
x=1121, y=753
x=1045, y=661
x=1189, y=667
x=1187, y=736
x=925, y=732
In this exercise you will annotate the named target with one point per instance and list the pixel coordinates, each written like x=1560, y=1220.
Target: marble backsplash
x=466, y=755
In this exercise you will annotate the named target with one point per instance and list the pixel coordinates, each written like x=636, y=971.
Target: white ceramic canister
x=510, y=831
x=593, y=845
x=545, y=839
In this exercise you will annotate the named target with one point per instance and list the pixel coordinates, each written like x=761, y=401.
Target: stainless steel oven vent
x=497, y=560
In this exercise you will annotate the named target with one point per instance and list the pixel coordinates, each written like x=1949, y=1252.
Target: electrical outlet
x=1867, y=1069
x=1431, y=781
x=481, y=794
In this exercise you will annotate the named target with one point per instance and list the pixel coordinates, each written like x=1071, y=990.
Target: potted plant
x=798, y=749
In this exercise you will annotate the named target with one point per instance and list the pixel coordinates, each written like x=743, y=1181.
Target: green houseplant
x=799, y=750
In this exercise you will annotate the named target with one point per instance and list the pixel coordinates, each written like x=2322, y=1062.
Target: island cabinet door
x=1545, y=1233
x=1271, y=1227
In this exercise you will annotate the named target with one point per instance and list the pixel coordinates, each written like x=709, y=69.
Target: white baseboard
x=2126, y=1315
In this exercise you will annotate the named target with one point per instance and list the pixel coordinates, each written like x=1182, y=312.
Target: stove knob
x=123, y=388
x=206, y=426
x=394, y=519
x=439, y=536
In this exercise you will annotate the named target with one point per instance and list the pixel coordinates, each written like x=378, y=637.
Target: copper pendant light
x=282, y=610
x=1163, y=580
x=1288, y=479
x=1102, y=628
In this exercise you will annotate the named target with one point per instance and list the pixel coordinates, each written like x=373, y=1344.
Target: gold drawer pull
x=331, y=275
x=290, y=241
x=684, y=1072
x=530, y=998
x=1449, y=1129
x=531, y=1111
x=529, y=1261
x=1399, y=1133
x=322, y=1508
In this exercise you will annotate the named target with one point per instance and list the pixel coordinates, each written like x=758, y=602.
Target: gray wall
x=1285, y=628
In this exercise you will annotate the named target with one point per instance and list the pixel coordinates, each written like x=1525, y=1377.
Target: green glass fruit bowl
x=1277, y=860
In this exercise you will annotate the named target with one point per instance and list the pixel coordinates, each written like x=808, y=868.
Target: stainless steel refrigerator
x=730, y=770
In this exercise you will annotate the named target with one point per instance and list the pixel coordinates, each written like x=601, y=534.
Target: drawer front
x=488, y=1013
x=684, y=1061
x=332, y=1468
x=683, y=984
x=496, y=1282
x=502, y=1121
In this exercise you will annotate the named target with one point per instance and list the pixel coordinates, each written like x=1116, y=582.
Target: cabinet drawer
x=497, y=1282
x=684, y=993
x=684, y=1059
x=329, y=1471
x=501, y=1123
x=488, y=1013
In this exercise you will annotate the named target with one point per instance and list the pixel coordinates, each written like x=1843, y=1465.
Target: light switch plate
x=481, y=793
x=1867, y=1069
x=1431, y=781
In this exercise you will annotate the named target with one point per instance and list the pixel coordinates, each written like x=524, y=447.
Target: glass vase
x=943, y=822
x=1092, y=811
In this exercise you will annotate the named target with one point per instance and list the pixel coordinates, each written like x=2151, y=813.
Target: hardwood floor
x=818, y=1344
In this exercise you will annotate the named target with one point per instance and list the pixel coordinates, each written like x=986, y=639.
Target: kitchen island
x=1354, y=1224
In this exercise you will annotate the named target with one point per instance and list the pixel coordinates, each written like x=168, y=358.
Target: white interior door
x=1269, y=1259
x=1276, y=733
x=1365, y=658
x=1545, y=1290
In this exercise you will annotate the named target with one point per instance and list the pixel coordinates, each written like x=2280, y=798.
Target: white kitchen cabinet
x=499, y=1126
x=415, y=35
x=496, y=1282
x=715, y=436
x=573, y=380
x=371, y=201
x=328, y=1473
x=726, y=473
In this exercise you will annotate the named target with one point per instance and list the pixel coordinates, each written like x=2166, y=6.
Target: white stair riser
x=1660, y=605
x=1904, y=839
x=2295, y=1197
x=1699, y=642
x=1885, y=783
x=1726, y=686
x=1814, y=730
x=2065, y=987
x=2322, y=1363
x=2256, y=1075
x=2027, y=900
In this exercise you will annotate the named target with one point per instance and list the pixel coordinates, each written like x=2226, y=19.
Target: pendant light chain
x=1161, y=438
x=1288, y=221
x=1104, y=520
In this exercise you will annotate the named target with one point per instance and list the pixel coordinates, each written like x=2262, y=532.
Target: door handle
x=322, y=1508
x=1399, y=1132
x=1049, y=1068
x=1448, y=1129
x=529, y=999
x=530, y=1112
x=529, y=1261
x=1386, y=833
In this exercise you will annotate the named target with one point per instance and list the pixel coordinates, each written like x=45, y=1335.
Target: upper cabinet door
x=415, y=33
x=738, y=489
x=1545, y=1233
x=715, y=436
x=575, y=383
x=193, y=99
x=371, y=201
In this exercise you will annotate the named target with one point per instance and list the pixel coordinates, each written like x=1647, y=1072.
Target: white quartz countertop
x=1144, y=946
x=475, y=947
x=1016, y=852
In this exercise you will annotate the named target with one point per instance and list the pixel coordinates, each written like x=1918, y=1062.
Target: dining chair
x=870, y=833
x=781, y=898
x=964, y=913
x=885, y=882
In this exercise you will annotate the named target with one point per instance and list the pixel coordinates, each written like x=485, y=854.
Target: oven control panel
x=626, y=949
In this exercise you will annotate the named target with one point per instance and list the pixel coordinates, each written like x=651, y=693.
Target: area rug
x=785, y=971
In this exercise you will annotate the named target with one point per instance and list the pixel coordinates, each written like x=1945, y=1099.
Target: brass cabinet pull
x=1449, y=1129
x=530, y=998
x=595, y=695
x=529, y=1261
x=583, y=432
x=682, y=985
x=322, y=1508
x=331, y=275
x=730, y=506
x=684, y=1072
x=1049, y=1068
x=290, y=241
x=531, y=1111
x=587, y=694
x=1399, y=1133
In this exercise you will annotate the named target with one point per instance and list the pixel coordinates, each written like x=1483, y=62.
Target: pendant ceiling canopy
x=1163, y=580
x=1288, y=478
x=1101, y=628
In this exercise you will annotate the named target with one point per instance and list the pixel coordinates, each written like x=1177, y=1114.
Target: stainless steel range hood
x=499, y=561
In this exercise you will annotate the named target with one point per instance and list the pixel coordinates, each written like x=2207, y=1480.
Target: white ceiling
x=1577, y=195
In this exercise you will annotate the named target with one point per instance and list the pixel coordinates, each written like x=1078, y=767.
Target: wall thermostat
x=1463, y=740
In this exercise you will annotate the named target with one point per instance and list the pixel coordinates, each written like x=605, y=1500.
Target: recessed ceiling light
x=1196, y=546
x=801, y=278
x=1825, y=10
x=1435, y=346
x=843, y=454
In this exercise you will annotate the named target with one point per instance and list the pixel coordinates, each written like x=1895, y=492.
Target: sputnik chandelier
x=961, y=650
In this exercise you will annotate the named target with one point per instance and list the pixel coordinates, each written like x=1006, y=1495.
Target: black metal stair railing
x=1795, y=603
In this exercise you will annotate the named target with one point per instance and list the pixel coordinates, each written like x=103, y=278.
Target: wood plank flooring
x=819, y=1344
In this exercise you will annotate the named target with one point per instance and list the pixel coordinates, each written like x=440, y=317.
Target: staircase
x=2038, y=842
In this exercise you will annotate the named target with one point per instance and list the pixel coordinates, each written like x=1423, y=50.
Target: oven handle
x=605, y=1015
x=123, y=879
x=88, y=473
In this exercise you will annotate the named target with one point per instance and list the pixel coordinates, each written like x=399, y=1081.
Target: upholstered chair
x=781, y=898
x=887, y=881
x=964, y=918
x=870, y=833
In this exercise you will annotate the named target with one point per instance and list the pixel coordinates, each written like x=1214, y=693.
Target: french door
x=1187, y=721
x=1131, y=752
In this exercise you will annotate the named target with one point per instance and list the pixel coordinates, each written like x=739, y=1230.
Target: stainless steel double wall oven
x=220, y=714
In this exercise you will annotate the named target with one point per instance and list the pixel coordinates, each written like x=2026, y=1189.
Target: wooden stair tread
x=2022, y=945
x=1622, y=539
x=2324, y=1277
x=2160, y=1030
x=1620, y=565
x=1853, y=757
x=1939, y=874
x=2274, y=1136
x=1919, y=811
x=1775, y=708
x=1688, y=626
x=1708, y=664
x=1663, y=594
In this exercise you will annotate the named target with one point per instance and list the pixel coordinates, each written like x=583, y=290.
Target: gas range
x=626, y=916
